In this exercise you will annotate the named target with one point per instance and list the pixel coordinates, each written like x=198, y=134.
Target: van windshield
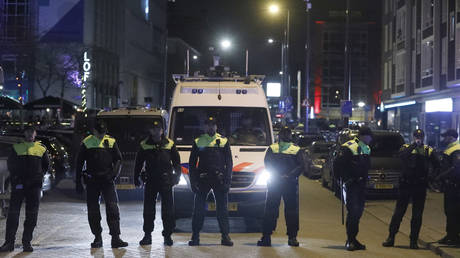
x=386, y=145
x=243, y=126
x=128, y=131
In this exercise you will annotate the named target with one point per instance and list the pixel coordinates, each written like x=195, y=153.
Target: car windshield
x=386, y=145
x=128, y=131
x=244, y=126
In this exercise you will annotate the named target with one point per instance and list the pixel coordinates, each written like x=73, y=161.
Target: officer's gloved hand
x=137, y=182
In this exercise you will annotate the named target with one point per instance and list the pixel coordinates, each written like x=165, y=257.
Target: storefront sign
x=86, y=76
x=439, y=105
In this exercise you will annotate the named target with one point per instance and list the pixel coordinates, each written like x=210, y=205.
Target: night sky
x=248, y=25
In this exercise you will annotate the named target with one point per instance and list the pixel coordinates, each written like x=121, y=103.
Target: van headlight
x=263, y=177
x=182, y=180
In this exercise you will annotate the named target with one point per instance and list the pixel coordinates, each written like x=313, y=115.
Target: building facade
x=103, y=53
x=421, y=66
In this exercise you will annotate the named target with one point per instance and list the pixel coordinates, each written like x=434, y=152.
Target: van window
x=386, y=145
x=243, y=126
x=128, y=131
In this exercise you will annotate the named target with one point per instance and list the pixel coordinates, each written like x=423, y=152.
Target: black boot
x=293, y=241
x=117, y=242
x=266, y=240
x=27, y=247
x=359, y=245
x=97, y=243
x=350, y=245
x=389, y=242
x=195, y=240
x=168, y=240
x=448, y=240
x=147, y=240
x=413, y=244
x=7, y=247
x=226, y=240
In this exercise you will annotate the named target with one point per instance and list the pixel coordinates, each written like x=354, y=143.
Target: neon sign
x=86, y=76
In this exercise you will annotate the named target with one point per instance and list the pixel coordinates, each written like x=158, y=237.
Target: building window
x=427, y=13
x=401, y=25
x=427, y=58
x=16, y=17
x=385, y=78
x=400, y=71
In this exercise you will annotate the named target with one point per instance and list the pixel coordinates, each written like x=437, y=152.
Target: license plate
x=126, y=187
x=233, y=206
x=384, y=186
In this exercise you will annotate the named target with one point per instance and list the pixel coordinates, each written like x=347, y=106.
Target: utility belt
x=354, y=180
x=212, y=176
x=164, y=177
x=103, y=177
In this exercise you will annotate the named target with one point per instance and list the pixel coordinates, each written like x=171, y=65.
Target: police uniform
x=100, y=155
x=162, y=171
x=352, y=165
x=27, y=163
x=451, y=189
x=413, y=185
x=210, y=168
x=285, y=161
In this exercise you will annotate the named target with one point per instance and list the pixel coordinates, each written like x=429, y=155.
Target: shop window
x=401, y=25
x=427, y=13
x=400, y=69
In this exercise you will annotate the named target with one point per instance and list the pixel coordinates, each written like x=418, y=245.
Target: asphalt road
x=63, y=231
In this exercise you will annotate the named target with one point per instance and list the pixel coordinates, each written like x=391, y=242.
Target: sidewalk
x=434, y=222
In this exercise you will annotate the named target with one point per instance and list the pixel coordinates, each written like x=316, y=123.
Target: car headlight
x=263, y=177
x=182, y=180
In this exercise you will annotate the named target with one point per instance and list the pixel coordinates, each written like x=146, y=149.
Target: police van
x=129, y=126
x=240, y=108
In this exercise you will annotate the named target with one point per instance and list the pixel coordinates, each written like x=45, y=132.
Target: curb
x=434, y=247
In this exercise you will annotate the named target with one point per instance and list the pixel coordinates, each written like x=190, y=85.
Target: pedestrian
x=450, y=175
x=285, y=163
x=103, y=160
x=210, y=169
x=416, y=158
x=27, y=163
x=162, y=172
x=352, y=165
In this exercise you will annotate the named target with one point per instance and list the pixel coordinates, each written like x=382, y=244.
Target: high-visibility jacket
x=27, y=163
x=353, y=160
x=284, y=159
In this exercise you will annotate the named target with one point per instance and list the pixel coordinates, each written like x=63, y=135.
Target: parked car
x=317, y=155
x=305, y=140
x=386, y=166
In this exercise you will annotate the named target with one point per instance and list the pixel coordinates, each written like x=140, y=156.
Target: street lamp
x=273, y=8
x=361, y=104
x=270, y=41
x=226, y=44
x=195, y=57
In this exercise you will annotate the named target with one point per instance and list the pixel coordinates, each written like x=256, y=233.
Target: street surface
x=63, y=231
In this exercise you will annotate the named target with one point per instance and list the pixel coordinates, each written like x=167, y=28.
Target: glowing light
x=274, y=8
x=361, y=104
x=439, y=105
x=273, y=89
x=263, y=178
x=226, y=44
x=195, y=57
x=400, y=104
x=270, y=41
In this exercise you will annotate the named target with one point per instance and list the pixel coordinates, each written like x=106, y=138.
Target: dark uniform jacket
x=451, y=166
x=162, y=161
x=284, y=160
x=100, y=156
x=416, y=162
x=211, y=160
x=27, y=163
x=353, y=161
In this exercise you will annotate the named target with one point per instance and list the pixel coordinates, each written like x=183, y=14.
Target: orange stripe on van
x=241, y=166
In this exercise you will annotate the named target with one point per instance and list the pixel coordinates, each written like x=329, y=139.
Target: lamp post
x=307, y=65
x=275, y=9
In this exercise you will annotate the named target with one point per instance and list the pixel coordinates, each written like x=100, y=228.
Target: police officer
x=27, y=163
x=413, y=184
x=162, y=171
x=210, y=168
x=450, y=174
x=103, y=161
x=352, y=165
x=285, y=161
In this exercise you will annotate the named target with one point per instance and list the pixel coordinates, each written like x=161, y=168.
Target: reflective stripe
x=29, y=149
x=92, y=142
x=207, y=141
x=455, y=146
x=167, y=146
x=285, y=148
x=353, y=146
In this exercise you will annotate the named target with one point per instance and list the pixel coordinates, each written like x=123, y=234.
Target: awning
x=9, y=103
x=52, y=103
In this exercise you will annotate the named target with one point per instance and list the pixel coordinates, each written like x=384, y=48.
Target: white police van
x=240, y=108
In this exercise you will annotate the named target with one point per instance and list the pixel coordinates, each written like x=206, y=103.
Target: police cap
x=100, y=126
x=450, y=132
x=285, y=131
x=210, y=121
x=419, y=133
x=364, y=130
x=29, y=128
x=157, y=124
